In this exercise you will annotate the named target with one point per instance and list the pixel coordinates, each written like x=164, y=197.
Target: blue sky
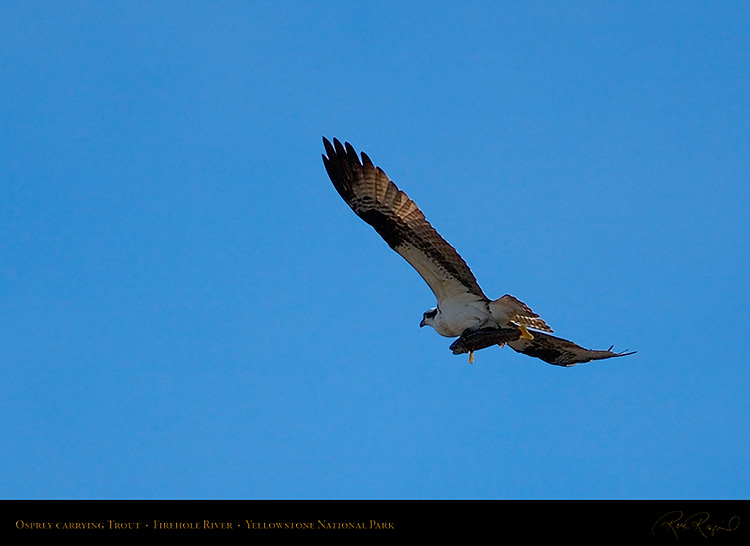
x=189, y=310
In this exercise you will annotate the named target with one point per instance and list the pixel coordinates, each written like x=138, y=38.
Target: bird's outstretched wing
x=398, y=220
x=551, y=349
x=558, y=351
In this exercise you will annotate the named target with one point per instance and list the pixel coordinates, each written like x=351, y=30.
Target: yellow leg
x=525, y=333
x=471, y=357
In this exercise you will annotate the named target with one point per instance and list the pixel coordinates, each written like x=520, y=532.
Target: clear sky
x=189, y=310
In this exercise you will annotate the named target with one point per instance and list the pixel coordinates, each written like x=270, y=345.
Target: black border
x=272, y=521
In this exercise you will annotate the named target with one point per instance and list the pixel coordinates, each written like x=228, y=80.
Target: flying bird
x=463, y=310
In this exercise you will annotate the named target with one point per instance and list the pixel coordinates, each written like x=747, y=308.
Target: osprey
x=463, y=310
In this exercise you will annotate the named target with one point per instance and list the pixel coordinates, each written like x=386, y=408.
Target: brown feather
x=399, y=221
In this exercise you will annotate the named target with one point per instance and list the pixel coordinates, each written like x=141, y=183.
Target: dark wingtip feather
x=351, y=154
x=622, y=353
x=338, y=169
x=330, y=151
x=366, y=161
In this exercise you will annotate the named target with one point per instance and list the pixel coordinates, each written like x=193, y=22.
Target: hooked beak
x=422, y=323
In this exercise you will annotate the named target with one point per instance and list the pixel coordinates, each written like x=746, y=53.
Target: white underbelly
x=454, y=322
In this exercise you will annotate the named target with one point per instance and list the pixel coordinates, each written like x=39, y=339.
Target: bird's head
x=428, y=319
